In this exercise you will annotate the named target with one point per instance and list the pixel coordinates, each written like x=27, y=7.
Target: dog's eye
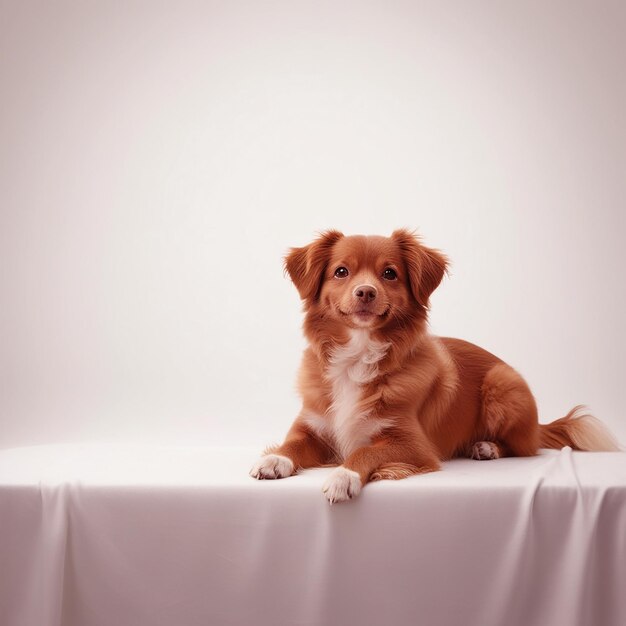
x=341, y=272
x=389, y=274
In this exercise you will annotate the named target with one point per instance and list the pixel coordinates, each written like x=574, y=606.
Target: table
x=124, y=535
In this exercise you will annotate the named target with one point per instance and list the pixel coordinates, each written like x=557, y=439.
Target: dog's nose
x=365, y=293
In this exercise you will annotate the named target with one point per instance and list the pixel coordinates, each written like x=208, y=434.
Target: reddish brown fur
x=434, y=397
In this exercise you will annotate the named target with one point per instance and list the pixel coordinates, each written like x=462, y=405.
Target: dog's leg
x=384, y=459
x=300, y=449
x=508, y=416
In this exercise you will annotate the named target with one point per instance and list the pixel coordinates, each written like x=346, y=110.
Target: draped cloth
x=118, y=535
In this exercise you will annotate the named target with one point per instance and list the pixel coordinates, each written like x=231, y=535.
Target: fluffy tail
x=579, y=430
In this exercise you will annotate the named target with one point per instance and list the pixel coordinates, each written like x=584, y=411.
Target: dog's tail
x=580, y=431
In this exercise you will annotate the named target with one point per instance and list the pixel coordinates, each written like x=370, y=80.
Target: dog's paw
x=272, y=466
x=342, y=484
x=485, y=451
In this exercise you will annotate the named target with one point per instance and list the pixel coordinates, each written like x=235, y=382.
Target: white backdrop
x=157, y=160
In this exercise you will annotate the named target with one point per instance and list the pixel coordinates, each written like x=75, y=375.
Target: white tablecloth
x=133, y=536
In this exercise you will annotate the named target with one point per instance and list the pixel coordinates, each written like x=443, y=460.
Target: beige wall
x=157, y=159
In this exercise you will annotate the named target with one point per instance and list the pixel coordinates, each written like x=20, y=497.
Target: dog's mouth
x=363, y=314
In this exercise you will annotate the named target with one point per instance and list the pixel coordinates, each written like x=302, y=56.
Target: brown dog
x=384, y=398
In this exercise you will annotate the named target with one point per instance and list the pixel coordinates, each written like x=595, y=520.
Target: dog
x=384, y=399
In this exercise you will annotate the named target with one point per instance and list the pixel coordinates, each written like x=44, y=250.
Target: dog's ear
x=306, y=266
x=425, y=266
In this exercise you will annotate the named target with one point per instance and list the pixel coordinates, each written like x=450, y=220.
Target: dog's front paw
x=342, y=484
x=272, y=466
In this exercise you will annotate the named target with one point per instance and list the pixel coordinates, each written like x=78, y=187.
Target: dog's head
x=366, y=282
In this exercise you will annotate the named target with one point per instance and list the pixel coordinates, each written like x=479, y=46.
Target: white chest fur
x=351, y=366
